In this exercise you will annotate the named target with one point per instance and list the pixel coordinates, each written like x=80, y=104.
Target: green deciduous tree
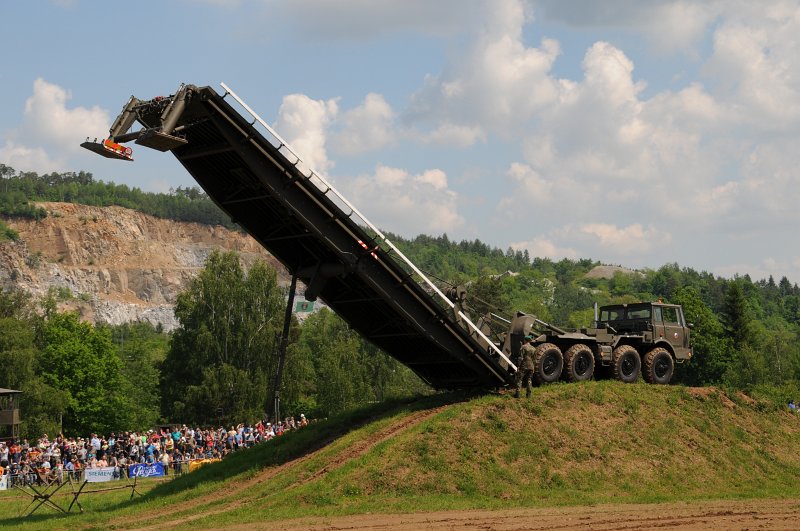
x=141, y=348
x=41, y=405
x=79, y=360
x=226, y=395
x=712, y=350
x=747, y=369
x=229, y=324
x=486, y=295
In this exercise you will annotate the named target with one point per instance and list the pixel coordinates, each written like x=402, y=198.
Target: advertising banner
x=3, y=482
x=97, y=475
x=144, y=470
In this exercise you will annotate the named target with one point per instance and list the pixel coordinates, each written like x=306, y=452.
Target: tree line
x=219, y=366
x=746, y=332
x=19, y=190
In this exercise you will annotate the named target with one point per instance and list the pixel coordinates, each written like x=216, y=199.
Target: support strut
x=284, y=342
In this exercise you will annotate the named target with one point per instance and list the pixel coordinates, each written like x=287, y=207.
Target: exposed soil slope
x=118, y=264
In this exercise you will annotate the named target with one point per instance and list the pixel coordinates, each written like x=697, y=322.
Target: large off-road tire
x=548, y=363
x=658, y=366
x=626, y=364
x=578, y=363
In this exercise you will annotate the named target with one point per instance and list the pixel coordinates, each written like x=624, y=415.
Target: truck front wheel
x=579, y=363
x=658, y=366
x=626, y=364
x=548, y=363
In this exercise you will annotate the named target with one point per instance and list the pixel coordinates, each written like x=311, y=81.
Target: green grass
x=592, y=443
x=7, y=233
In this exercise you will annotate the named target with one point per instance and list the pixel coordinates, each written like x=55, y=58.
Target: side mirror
x=690, y=325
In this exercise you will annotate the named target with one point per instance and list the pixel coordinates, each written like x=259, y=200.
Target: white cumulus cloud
x=602, y=241
x=755, y=62
x=23, y=158
x=303, y=123
x=366, y=127
x=459, y=136
x=405, y=203
x=499, y=82
x=51, y=131
x=626, y=240
x=49, y=120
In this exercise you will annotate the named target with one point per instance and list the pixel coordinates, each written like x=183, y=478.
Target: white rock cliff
x=115, y=265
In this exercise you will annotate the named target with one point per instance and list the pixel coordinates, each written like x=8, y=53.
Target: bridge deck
x=294, y=215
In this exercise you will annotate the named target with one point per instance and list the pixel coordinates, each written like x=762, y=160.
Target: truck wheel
x=626, y=364
x=579, y=363
x=548, y=363
x=658, y=366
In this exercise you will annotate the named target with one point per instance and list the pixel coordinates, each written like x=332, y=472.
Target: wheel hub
x=581, y=365
x=627, y=366
x=661, y=367
x=550, y=363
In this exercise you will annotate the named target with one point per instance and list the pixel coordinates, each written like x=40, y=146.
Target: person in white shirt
x=165, y=462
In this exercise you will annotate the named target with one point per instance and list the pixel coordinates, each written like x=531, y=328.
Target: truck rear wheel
x=658, y=366
x=548, y=363
x=626, y=364
x=579, y=363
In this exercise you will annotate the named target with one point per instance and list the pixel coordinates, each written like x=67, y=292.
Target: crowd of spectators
x=172, y=446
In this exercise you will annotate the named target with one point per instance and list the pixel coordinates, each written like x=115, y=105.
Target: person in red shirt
x=15, y=452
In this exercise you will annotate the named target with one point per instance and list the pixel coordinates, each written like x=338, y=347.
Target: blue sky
x=636, y=133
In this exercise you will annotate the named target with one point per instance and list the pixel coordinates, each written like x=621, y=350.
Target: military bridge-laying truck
x=330, y=247
x=625, y=341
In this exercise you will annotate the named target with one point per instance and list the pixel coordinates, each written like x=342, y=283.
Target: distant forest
x=18, y=190
x=746, y=331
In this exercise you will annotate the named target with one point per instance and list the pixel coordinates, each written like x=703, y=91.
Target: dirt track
x=760, y=514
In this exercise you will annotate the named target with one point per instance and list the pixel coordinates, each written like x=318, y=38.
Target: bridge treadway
x=294, y=215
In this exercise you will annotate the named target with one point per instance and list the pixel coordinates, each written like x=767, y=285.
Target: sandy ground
x=717, y=515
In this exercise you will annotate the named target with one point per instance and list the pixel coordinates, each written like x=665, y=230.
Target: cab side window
x=670, y=315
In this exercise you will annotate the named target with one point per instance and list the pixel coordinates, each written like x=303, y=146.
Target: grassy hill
x=575, y=444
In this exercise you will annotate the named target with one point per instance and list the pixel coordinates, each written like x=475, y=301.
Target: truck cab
x=653, y=322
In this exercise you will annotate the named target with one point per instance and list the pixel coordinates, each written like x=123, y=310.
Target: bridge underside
x=300, y=223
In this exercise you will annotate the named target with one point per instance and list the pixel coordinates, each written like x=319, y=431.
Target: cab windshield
x=621, y=313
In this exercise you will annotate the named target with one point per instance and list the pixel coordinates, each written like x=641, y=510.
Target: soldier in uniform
x=525, y=372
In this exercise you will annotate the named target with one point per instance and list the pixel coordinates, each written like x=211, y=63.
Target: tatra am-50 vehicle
x=330, y=247
x=626, y=340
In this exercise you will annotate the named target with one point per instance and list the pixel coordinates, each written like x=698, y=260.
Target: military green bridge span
x=303, y=221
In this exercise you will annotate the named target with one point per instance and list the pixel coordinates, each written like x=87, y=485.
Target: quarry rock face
x=113, y=264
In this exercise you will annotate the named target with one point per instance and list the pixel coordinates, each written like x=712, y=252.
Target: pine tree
x=736, y=315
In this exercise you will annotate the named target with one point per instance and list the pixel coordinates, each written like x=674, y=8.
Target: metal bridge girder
x=300, y=224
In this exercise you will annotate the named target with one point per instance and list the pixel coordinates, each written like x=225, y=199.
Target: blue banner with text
x=145, y=470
